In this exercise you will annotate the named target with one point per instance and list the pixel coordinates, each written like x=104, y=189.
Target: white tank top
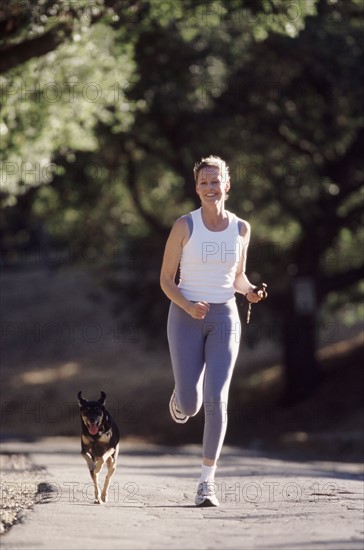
x=209, y=261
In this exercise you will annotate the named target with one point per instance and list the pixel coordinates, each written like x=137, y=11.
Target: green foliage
x=101, y=133
x=53, y=105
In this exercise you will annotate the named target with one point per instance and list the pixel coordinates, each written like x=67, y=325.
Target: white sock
x=207, y=473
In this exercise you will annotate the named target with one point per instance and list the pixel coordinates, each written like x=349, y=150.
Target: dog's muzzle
x=92, y=428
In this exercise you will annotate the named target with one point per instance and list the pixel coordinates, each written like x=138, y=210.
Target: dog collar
x=103, y=432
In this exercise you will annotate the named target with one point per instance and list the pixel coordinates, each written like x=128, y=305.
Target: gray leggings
x=203, y=355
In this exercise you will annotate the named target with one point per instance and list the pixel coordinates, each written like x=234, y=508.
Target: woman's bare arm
x=178, y=237
x=242, y=283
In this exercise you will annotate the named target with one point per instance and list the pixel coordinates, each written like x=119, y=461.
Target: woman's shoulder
x=243, y=225
x=187, y=220
x=183, y=226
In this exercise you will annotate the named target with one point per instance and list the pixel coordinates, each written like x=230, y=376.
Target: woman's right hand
x=198, y=310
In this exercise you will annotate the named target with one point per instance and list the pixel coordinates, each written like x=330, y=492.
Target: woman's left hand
x=257, y=294
x=252, y=297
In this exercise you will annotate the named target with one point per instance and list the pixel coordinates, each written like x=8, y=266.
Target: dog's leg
x=106, y=457
x=108, y=453
x=90, y=463
x=95, y=478
x=94, y=469
x=111, y=467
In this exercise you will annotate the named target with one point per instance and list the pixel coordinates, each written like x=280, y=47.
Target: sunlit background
x=106, y=106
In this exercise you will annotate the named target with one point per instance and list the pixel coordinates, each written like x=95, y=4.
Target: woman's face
x=211, y=185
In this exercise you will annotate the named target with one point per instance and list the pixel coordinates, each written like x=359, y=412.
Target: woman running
x=210, y=247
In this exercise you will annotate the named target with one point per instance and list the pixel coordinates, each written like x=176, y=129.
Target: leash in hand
x=261, y=290
x=248, y=313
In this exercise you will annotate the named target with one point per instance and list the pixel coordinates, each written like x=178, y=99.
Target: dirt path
x=19, y=478
x=266, y=503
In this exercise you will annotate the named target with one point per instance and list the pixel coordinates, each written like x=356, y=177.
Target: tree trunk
x=300, y=336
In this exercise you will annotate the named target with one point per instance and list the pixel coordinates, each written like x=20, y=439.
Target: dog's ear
x=81, y=400
x=102, y=398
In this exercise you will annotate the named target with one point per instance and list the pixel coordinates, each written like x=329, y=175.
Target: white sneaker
x=176, y=414
x=206, y=495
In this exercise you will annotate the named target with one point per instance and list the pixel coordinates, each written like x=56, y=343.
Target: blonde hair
x=212, y=161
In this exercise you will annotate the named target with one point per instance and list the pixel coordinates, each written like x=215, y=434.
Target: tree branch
x=133, y=188
x=13, y=55
x=343, y=169
x=341, y=281
x=16, y=54
x=353, y=217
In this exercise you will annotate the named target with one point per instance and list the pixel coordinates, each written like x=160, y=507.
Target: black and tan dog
x=99, y=441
